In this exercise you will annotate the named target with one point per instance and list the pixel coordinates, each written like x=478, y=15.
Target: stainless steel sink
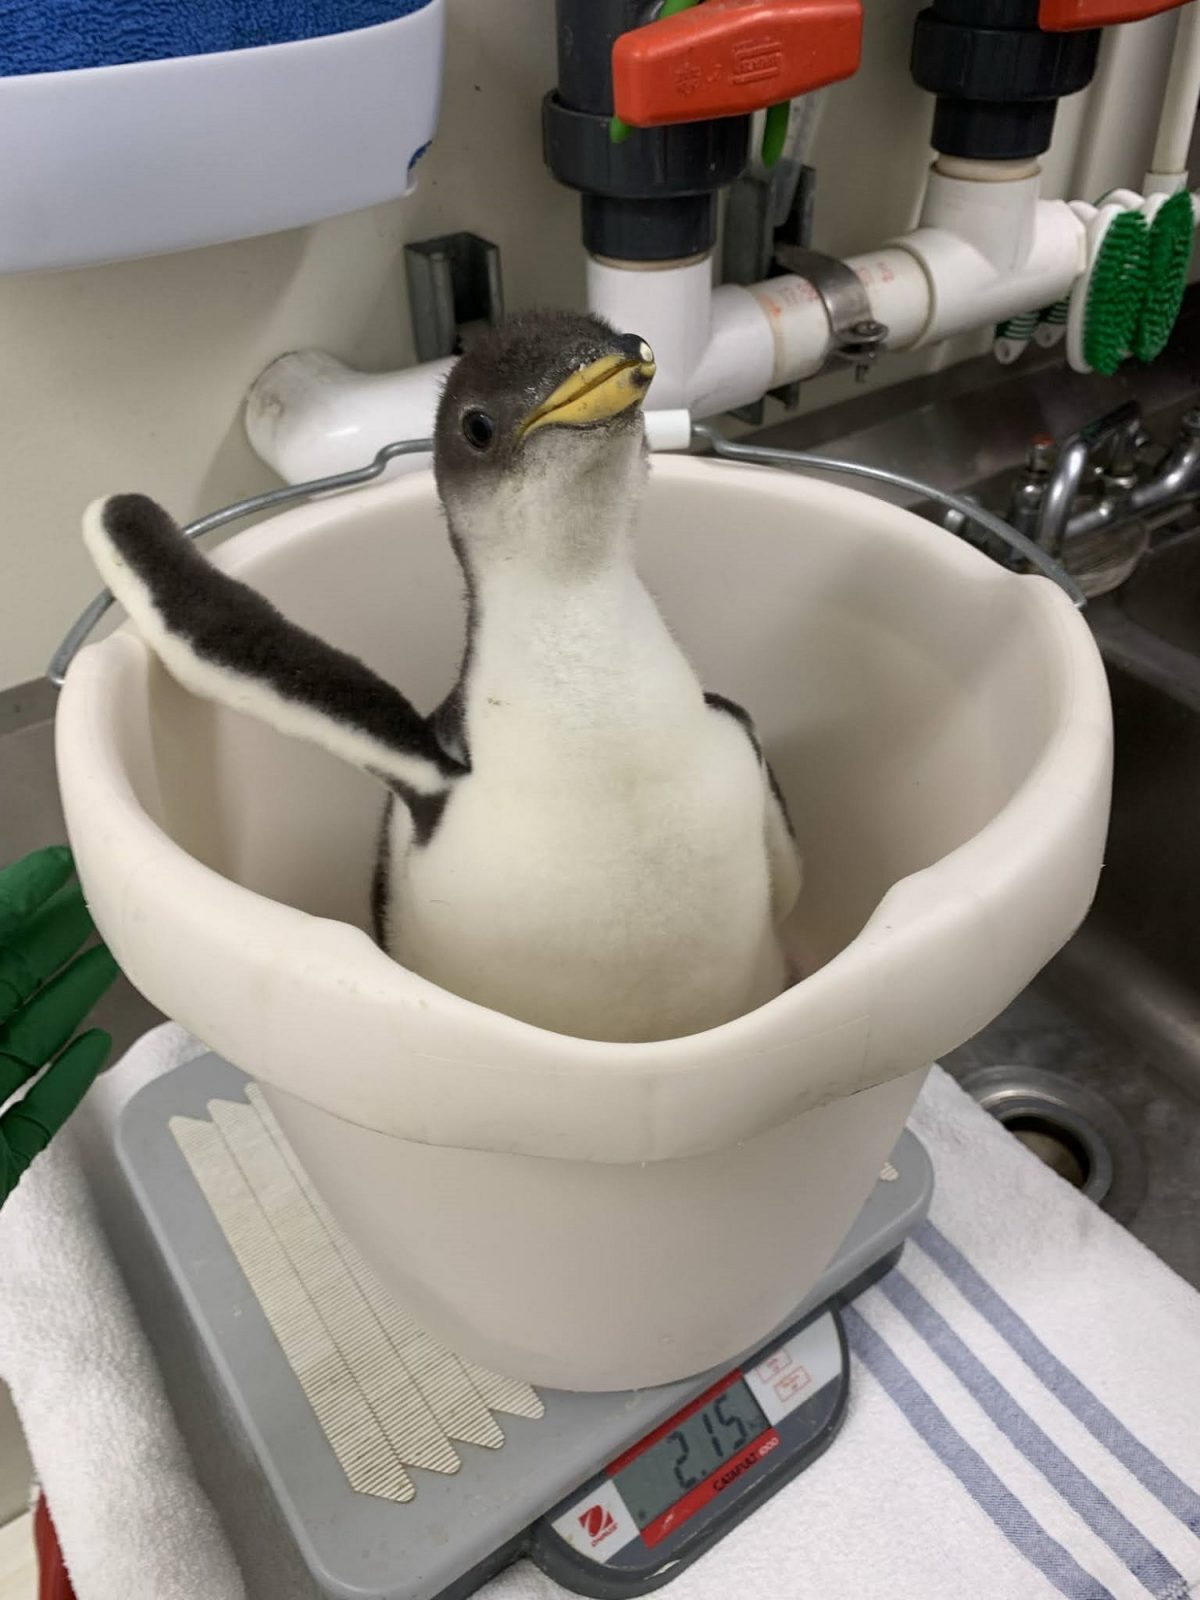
x=1118, y=1012
x=1149, y=633
x=1096, y=1066
x=1162, y=598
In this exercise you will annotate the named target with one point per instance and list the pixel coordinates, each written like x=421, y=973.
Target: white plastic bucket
x=580, y=1214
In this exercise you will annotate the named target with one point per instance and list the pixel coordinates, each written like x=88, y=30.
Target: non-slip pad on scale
x=386, y=1395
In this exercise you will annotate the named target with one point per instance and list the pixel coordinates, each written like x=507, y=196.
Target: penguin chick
x=579, y=836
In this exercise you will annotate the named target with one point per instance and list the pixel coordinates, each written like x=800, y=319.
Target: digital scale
x=612, y=1495
x=663, y=1502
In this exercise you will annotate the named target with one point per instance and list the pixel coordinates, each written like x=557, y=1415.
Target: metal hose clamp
x=857, y=336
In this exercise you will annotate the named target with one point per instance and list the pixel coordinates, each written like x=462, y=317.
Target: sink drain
x=1075, y=1132
x=1064, y=1143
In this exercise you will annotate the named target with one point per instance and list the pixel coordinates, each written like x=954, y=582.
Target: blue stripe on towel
x=1019, y=1527
x=64, y=35
x=1148, y=1565
x=1100, y=1422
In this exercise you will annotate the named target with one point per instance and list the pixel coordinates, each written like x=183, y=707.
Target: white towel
x=1024, y=1418
x=132, y=1522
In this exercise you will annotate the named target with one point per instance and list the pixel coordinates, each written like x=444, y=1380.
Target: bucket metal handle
x=76, y=637
x=771, y=456
x=704, y=433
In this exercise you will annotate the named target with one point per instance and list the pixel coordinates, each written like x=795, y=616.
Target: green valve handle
x=619, y=131
x=774, y=132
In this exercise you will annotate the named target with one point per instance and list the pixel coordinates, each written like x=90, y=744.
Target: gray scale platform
x=298, y=1528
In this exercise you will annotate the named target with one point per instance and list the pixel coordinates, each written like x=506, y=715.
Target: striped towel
x=1024, y=1417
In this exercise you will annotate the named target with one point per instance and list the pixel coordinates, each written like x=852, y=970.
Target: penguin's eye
x=478, y=429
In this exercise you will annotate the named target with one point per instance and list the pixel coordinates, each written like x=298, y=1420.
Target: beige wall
x=132, y=376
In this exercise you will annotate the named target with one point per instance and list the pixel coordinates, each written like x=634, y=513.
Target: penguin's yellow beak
x=598, y=391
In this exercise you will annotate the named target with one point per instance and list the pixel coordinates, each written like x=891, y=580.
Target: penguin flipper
x=783, y=856
x=227, y=643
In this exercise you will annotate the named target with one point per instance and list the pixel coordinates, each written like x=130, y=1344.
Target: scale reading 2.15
x=675, y=1493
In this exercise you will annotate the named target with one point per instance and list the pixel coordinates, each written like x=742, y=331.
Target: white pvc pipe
x=986, y=251
x=987, y=207
x=738, y=365
x=1179, y=104
x=970, y=292
x=713, y=349
x=310, y=416
x=720, y=349
x=899, y=296
x=988, y=247
x=669, y=306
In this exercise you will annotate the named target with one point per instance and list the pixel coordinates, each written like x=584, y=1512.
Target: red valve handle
x=1063, y=16
x=725, y=58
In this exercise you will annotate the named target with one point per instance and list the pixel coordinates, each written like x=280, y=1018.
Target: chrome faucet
x=1103, y=457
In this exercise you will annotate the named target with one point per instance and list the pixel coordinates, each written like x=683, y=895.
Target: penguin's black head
x=543, y=399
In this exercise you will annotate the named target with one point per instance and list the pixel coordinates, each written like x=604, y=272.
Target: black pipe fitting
x=997, y=76
x=652, y=196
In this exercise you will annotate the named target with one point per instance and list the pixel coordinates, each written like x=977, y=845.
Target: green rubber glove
x=43, y=922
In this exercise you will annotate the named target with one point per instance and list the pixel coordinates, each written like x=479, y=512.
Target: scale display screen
x=699, y=1444
x=714, y=1459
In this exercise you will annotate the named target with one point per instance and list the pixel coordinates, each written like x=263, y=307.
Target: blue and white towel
x=1024, y=1418
x=65, y=35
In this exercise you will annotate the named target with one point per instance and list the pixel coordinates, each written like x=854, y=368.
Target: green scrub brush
x=1172, y=224
x=1106, y=303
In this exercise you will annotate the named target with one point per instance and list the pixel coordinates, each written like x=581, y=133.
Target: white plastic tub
x=593, y=1215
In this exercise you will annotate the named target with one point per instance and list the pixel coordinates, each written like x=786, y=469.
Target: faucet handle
x=1120, y=424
